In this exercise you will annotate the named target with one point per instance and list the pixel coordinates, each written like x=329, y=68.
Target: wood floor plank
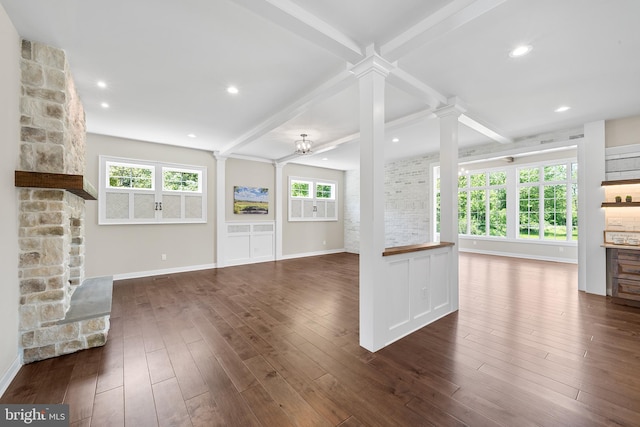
x=230, y=404
x=277, y=343
x=300, y=412
x=108, y=409
x=80, y=396
x=189, y=378
x=111, y=372
x=139, y=405
x=308, y=389
x=170, y=406
x=204, y=412
x=237, y=371
x=267, y=410
x=160, y=367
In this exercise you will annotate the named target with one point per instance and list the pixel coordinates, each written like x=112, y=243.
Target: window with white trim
x=144, y=192
x=545, y=196
x=312, y=200
x=547, y=201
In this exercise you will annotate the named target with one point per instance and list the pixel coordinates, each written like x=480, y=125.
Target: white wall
x=132, y=250
x=10, y=140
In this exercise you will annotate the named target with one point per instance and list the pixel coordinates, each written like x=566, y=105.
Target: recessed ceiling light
x=233, y=90
x=101, y=84
x=395, y=140
x=520, y=51
x=104, y=105
x=192, y=135
x=562, y=109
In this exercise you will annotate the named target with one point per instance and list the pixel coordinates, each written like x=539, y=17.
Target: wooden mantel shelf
x=415, y=248
x=75, y=184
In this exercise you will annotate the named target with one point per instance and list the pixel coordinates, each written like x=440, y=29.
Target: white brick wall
x=407, y=193
x=623, y=162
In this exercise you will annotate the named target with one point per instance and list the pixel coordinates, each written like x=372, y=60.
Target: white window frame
x=568, y=182
x=313, y=208
x=160, y=196
x=513, y=200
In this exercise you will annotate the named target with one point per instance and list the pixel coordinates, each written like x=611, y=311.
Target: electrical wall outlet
x=163, y=257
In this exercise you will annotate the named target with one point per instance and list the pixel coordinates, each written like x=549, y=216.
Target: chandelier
x=303, y=146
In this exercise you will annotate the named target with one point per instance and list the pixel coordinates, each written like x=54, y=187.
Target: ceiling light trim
x=520, y=51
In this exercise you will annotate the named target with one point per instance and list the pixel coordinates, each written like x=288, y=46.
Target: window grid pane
x=176, y=180
x=498, y=212
x=300, y=189
x=477, y=215
x=138, y=177
x=529, y=212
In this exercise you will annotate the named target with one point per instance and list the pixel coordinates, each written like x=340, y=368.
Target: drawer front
x=629, y=289
x=628, y=269
x=627, y=255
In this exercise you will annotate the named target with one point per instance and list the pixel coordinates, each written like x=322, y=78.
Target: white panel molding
x=418, y=290
x=250, y=242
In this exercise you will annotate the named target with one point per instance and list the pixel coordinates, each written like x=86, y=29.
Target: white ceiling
x=168, y=64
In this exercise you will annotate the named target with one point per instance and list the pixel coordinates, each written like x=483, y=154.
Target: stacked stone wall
x=53, y=129
x=51, y=236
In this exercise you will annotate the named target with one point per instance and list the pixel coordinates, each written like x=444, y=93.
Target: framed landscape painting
x=250, y=200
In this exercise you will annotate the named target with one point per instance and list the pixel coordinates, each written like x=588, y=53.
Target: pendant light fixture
x=303, y=146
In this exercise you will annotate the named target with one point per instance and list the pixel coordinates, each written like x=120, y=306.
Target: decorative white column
x=448, y=117
x=591, y=218
x=279, y=209
x=221, y=214
x=372, y=73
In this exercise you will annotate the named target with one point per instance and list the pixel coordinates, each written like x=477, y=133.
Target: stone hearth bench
x=90, y=300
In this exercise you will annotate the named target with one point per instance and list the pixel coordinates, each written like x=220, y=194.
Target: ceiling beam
x=448, y=18
x=301, y=22
x=408, y=83
x=407, y=120
x=327, y=89
x=479, y=127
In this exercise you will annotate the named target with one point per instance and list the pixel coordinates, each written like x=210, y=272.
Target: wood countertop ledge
x=415, y=248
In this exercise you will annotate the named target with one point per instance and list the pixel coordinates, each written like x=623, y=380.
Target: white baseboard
x=307, y=254
x=232, y=263
x=10, y=375
x=516, y=255
x=186, y=269
x=235, y=262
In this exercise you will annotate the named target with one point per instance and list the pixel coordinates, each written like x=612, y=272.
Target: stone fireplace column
x=51, y=237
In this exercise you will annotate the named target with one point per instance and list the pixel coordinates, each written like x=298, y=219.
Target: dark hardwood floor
x=276, y=344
